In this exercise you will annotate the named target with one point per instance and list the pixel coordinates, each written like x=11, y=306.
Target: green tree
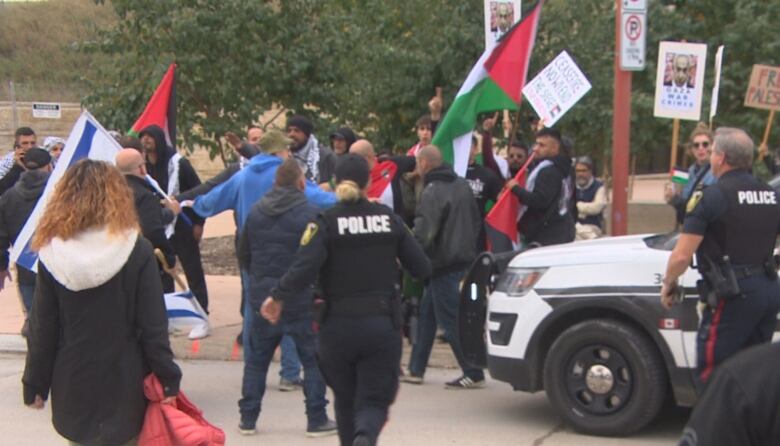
x=373, y=64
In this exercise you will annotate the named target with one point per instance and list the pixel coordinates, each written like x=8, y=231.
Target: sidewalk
x=224, y=300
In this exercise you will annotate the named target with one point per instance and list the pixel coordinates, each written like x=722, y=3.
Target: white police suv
x=583, y=321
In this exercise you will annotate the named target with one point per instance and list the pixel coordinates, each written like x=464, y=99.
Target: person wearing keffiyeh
x=317, y=161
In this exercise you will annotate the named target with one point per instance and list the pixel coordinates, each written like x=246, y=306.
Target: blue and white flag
x=184, y=310
x=88, y=139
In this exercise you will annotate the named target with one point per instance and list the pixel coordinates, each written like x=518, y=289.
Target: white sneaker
x=199, y=332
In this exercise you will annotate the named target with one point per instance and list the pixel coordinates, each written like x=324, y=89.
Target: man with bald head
x=385, y=186
x=153, y=215
x=446, y=224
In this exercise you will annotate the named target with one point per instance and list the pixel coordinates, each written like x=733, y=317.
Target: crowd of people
x=280, y=182
x=318, y=232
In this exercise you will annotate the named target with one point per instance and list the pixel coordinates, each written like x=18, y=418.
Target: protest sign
x=500, y=15
x=716, y=87
x=679, y=83
x=764, y=88
x=556, y=89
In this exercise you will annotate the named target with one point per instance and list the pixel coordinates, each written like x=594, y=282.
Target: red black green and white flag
x=501, y=221
x=494, y=83
x=380, y=187
x=161, y=109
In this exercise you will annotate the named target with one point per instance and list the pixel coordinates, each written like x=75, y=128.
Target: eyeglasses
x=704, y=144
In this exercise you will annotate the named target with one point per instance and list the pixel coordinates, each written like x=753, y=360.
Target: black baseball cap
x=36, y=158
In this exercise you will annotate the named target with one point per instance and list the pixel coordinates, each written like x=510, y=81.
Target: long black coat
x=93, y=348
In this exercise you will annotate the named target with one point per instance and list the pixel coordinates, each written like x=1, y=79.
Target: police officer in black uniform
x=355, y=248
x=732, y=226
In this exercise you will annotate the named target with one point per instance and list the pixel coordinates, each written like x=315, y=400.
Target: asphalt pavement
x=427, y=414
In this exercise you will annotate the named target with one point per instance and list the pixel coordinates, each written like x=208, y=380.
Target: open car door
x=472, y=309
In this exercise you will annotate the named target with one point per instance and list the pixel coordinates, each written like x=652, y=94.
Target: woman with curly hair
x=98, y=324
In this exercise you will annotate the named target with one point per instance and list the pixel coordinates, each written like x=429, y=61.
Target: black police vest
x=587, y=195
x=362, y=252
x=746, y=231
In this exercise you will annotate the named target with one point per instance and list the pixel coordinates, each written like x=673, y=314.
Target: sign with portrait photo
x=679, y=84
x=500, y=15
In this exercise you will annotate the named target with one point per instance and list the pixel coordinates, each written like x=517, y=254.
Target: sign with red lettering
x=764, y=89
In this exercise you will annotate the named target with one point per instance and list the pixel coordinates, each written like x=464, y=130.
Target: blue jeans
x=28, y=293
x=260, y=340
x=440, y=305
x=291, y=363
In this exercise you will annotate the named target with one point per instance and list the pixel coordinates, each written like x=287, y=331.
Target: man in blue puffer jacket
x=246, y=187
x=267, y=247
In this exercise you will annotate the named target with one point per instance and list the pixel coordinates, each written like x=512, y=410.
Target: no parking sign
x=633, y=35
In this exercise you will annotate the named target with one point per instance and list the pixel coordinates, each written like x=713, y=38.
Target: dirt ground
x=219, y=256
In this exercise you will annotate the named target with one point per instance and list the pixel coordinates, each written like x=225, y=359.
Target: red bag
x=182, y=425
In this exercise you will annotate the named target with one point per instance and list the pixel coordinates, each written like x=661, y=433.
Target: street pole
x=621, y=136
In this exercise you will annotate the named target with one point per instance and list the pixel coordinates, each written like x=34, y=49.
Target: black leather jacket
x=447, y=221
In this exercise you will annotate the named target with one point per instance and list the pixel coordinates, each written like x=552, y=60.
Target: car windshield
x=664, y=242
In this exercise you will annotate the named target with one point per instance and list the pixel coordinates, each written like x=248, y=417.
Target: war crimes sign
x=556, y=89
x=679, y=82
x=764, y=88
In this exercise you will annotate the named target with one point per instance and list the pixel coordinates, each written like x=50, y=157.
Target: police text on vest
x=364, y=224
x=756, y=197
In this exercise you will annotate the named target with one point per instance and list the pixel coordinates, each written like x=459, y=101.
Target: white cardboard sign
x=556, y=89
x=500, y=16
x=679, y=83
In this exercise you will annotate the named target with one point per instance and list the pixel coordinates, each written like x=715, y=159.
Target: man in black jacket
x=446, y=225
x=546, y=217
x=185, y=237
x=16, y=205
x=151, y=215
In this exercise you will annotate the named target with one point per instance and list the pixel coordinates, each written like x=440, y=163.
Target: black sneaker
x=323, y=430
x=464, y=382
x=361, y=440
x=247, y=428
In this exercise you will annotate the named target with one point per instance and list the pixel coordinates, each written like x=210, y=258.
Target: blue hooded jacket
x=248, y=186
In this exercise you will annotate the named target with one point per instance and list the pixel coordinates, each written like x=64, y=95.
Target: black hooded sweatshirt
x=188, y=178
x=16, y=205
x=542, y=221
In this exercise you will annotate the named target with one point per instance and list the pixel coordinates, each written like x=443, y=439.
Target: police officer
x=354, y=247
x=732, y=227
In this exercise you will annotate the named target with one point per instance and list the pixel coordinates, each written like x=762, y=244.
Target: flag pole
x=767, y=131
x=675, y=142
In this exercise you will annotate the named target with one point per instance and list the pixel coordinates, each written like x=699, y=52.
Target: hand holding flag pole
x=152, y=182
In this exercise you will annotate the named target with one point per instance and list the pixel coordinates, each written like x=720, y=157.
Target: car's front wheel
x=604, y=377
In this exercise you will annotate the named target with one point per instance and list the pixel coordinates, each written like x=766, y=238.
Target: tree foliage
x=373, y=64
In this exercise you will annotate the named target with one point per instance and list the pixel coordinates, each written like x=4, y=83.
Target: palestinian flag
x=501, y=221
x=494, y=83
x=680, y=176
x=161, y=109
x=381, y=182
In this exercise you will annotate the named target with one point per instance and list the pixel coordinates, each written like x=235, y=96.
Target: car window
x=664, y=242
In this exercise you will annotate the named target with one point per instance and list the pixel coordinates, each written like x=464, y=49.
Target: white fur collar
x=89, y=259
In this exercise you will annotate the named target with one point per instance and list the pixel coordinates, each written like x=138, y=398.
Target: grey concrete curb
x=13, y=343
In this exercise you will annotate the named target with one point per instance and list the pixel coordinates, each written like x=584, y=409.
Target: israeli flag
x=88, y=139
x=184, y=310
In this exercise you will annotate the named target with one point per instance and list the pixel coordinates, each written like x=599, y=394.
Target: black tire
x=596, y=407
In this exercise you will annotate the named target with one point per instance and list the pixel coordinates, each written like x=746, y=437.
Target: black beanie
x=36, y=158
x=354, y=168
x=302, y=122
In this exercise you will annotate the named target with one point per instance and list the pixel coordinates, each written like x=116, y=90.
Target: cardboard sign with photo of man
x=679, y=83
x=500, y=15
